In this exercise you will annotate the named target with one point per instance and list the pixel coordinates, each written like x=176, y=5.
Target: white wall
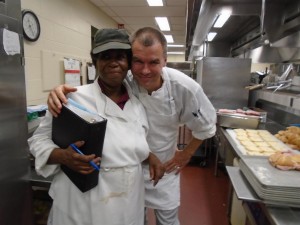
x=65, y=32
x=176, y=58
x=259, y=67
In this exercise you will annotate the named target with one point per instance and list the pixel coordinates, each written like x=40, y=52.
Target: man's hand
x=178, y=162
x=56, y=96
x=182, y=157
x=156, y=168
x=73, y=160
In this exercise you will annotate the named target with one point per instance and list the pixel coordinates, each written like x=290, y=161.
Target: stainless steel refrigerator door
x=15, y=189
x=223, y=80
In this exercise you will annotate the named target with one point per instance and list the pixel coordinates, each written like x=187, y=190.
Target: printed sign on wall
x=72, y=72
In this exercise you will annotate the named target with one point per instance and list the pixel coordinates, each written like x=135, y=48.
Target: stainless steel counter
x=276, y=215
x=241, y=186
x=39, y=181
x=284, y=216
x=270, y=125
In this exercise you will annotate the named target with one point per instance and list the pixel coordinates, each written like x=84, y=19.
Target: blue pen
x=80, y=152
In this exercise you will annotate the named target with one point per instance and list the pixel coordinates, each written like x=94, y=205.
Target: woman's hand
x=74, y=160
x=56, y=96
x=156, y=168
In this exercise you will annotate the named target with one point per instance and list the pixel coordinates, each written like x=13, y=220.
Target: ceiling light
x=155, y=2
x=163, y=23
x=175, y=46
x=221, y=20
x=169, y=38
x=211, y=36
x=175, y=53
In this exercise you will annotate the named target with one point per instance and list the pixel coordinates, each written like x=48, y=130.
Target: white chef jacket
x=118, y=199
x=179, y=101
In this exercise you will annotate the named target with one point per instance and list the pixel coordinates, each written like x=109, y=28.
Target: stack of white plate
x=273, y=186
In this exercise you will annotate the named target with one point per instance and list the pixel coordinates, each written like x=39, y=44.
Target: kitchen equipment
x=254, y=87
x=15, y=188
x=279, y=85
x=238, y=121
x=273, y=186
x=286, y=73
x=241, y=148
x=262, y=75
x=254, y=78
x=296, y=81
x=219, y=75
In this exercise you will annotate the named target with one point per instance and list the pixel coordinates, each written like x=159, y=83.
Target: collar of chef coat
x=109, y=107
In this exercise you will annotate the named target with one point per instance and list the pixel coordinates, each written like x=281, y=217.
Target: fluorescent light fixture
x=221, y=20
x=155, y=2
x=211, y=36
x=175, y=53
x=175, y=46
x=169, y=38
x=163, y=23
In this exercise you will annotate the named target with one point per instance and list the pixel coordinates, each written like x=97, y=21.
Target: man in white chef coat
x=170, y=98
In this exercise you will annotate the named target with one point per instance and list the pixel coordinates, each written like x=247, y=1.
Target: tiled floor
x=203, y=196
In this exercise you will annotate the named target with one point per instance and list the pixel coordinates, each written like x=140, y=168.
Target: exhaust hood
x=270, y=28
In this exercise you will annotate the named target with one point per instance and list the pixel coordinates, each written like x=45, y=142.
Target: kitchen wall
x=176, y=58
x=259, y=67
x=65, y=32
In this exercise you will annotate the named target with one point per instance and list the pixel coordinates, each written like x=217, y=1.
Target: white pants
x=164, y=217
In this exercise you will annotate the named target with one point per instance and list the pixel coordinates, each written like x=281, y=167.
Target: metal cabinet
x=15, y=190
x=220, y=75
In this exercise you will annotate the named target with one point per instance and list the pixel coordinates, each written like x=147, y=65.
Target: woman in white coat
x=118, y=198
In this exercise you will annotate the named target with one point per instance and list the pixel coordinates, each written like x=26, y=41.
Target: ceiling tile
x=124, y=3
x=135, y=14
x=175, y=3
x=140, y=21
x=108, y=11
x=149, y=11
x=99, y=3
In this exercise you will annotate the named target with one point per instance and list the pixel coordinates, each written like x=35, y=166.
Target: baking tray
x=273, y=186
x=242, y=149
x=269, y=177
x=238, y=121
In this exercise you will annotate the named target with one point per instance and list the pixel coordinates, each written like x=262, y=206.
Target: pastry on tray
x=258, y=142
x=285, y=160
x=290, y=136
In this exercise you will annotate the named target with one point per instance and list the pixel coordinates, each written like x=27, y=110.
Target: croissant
x=285, y=160
x=296, y=158
x=294, y=129
x=290, y=136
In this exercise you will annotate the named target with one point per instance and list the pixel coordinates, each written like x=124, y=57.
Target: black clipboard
x=70, y=127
